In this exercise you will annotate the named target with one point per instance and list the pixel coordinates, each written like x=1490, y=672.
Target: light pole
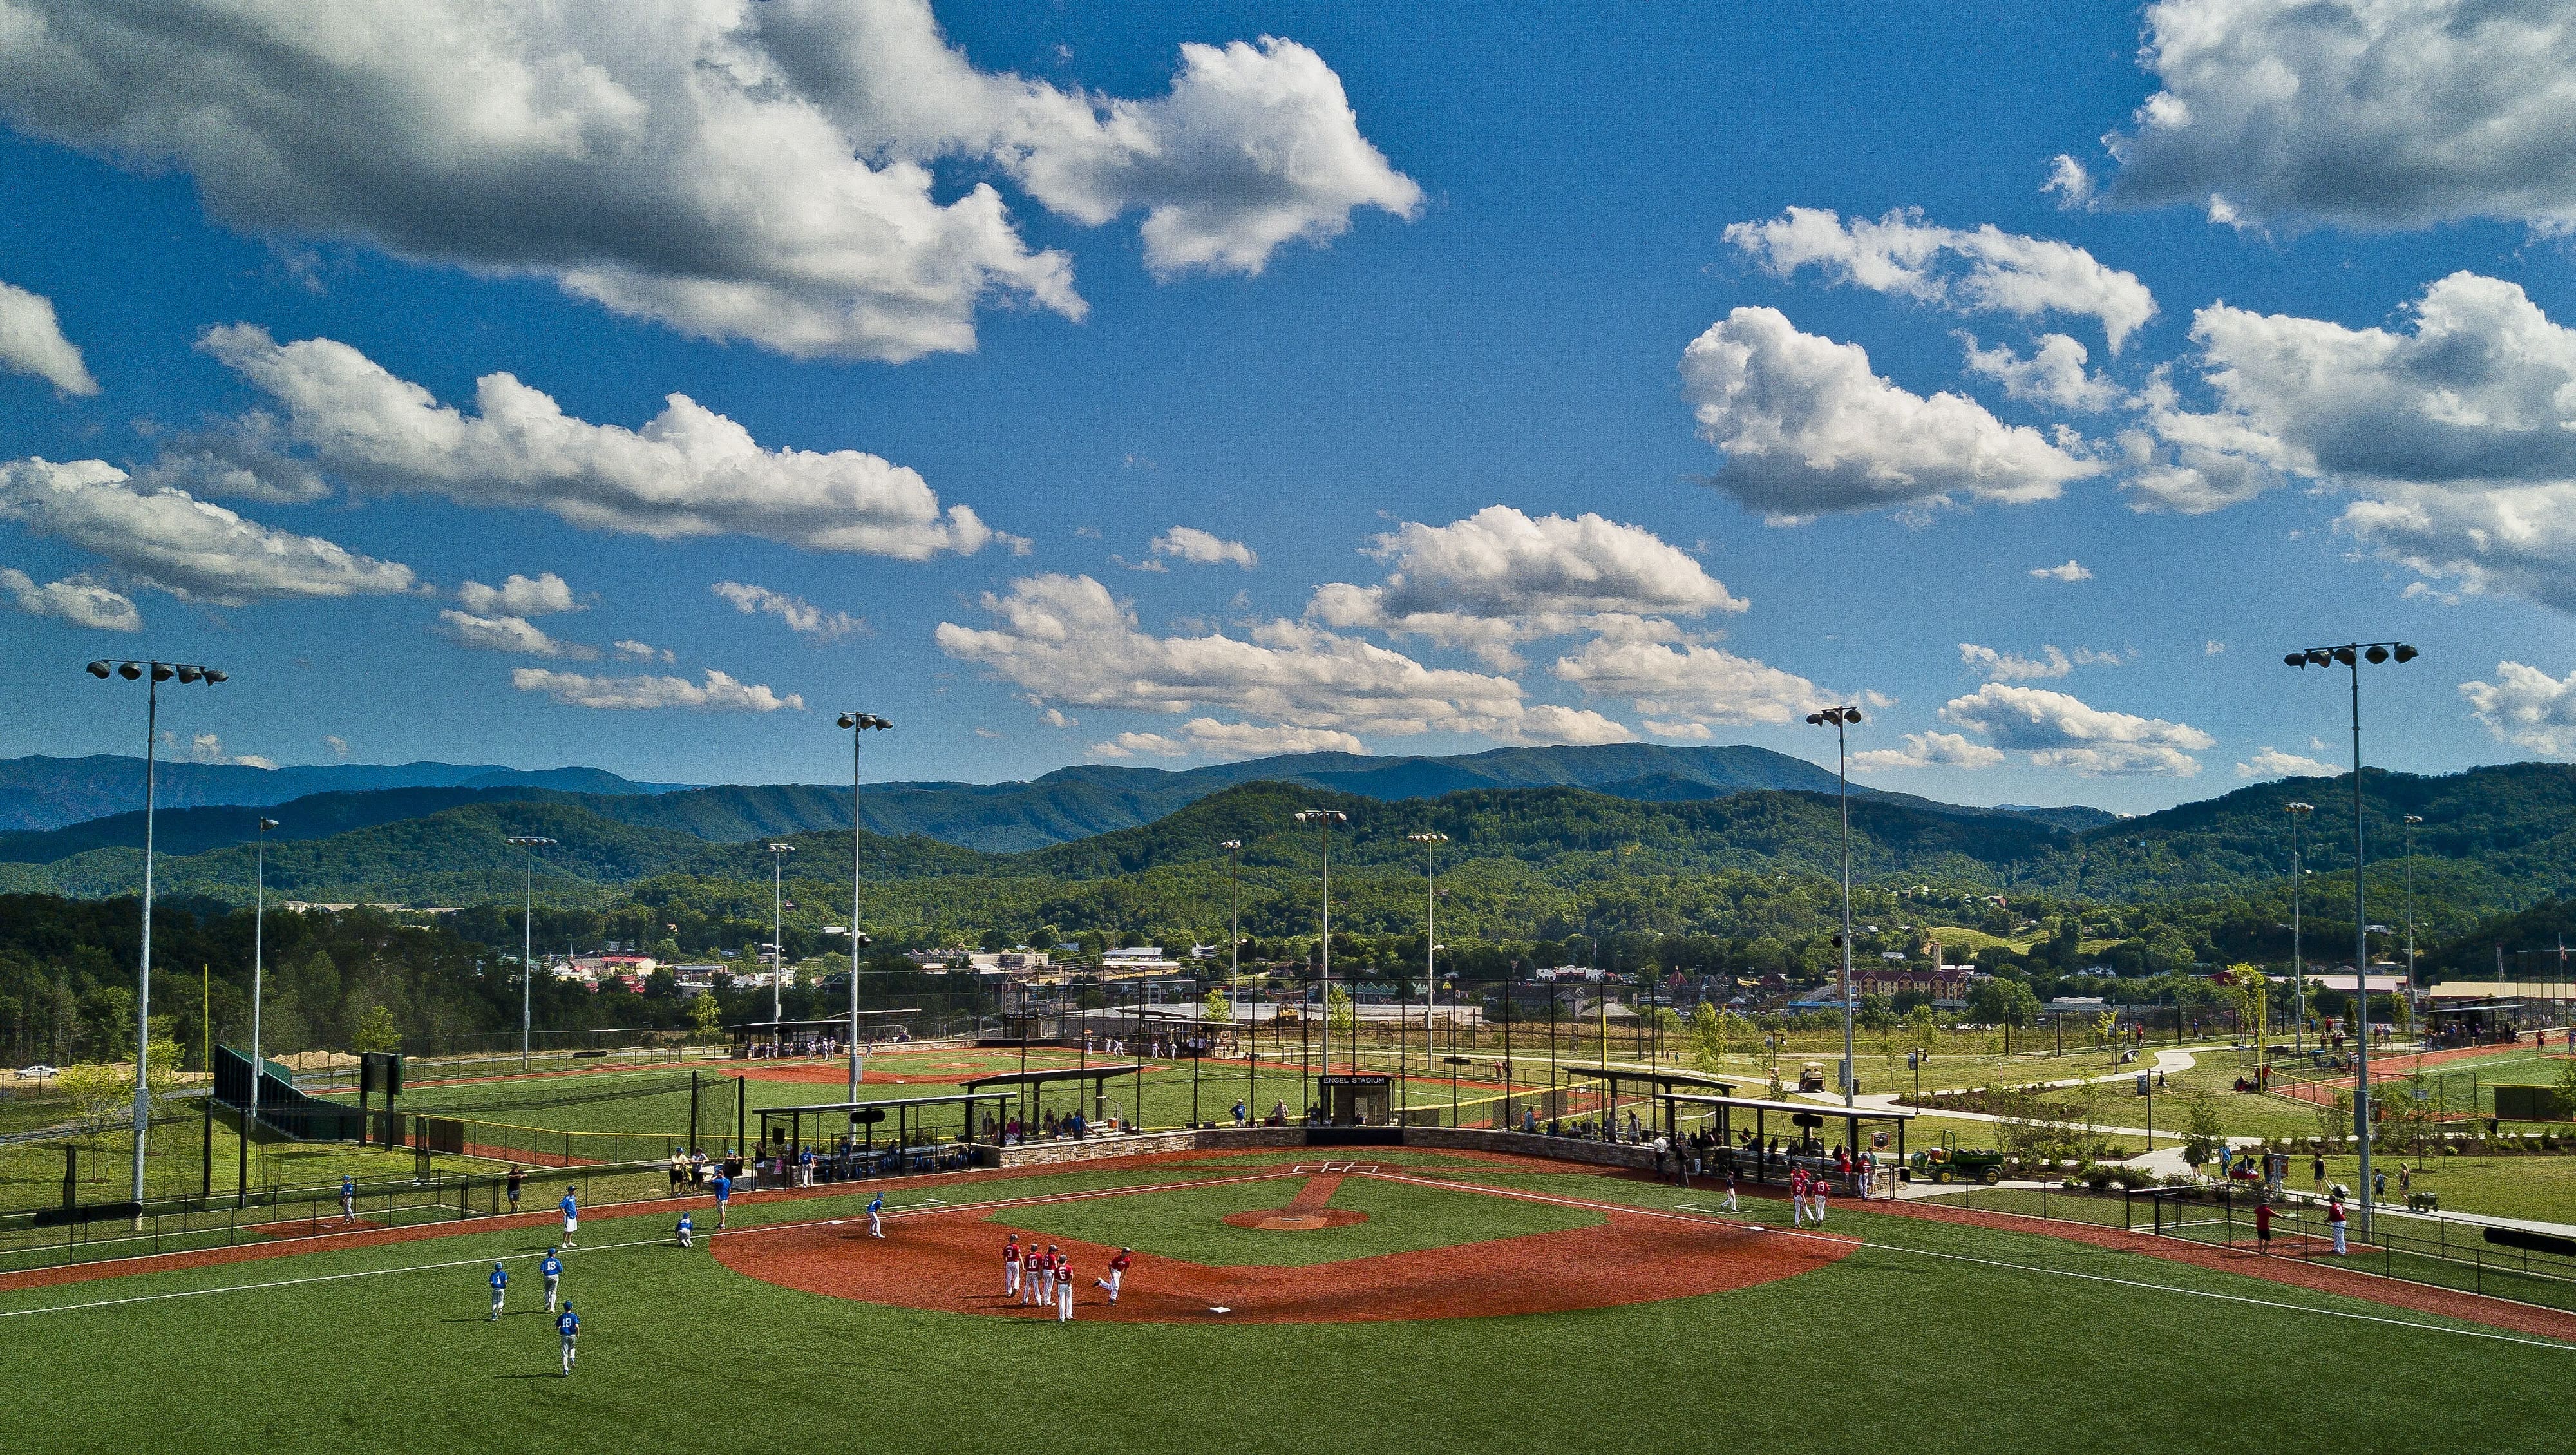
x=2298, y=951
x=1842, y=718
x=258, y=926
x=1430, y=843
x=2352, y=655
x=1234, y=951
x=528, y=845
x=777, y=928
x=158, y=673
x=858, y=725
x=1325, y=818
x=2412, y=820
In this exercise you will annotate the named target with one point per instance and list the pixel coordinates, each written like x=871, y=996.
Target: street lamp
x=527, y=940
x=2298, y=954
x=258, y=924
x=158, y=672
x=1430, y=972
x=777, y=926
x=2351, y=655
x=1324, y=819
x=1842, y=718
x=858, y=725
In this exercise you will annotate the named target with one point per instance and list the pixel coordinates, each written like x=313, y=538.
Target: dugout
x=1801, y=1120
x=1031, y=1088
x=1358, y=1099
x=763, y=1039
x=880, y=1138
x=1658, y=1089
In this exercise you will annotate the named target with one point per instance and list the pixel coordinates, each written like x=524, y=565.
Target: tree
x=2334, y=1116
x=2003, y=1001
x=376, y=1032
x=1217, y=1008
x=100, y=1093
x=2564, y=1093
x=1339, y=1016
x=2202, y=1138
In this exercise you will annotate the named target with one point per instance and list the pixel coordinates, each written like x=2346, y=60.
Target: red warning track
x=950, y=1263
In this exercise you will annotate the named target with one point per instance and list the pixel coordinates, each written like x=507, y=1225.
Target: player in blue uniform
x=348, y=1200
x=500, y=1283
x=876, y=1223
x=552, y=1268
x=572, y=1215
x=688, y=1232
x=567, y=1324
x=724, y=1198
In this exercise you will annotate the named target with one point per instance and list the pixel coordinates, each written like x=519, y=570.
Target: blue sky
x=1385, y=307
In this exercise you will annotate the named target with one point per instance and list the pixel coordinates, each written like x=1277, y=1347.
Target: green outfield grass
x=2511, y=1186
x=388, y=1348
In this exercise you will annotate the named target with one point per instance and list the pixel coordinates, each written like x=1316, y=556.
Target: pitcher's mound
x=1288, y=1220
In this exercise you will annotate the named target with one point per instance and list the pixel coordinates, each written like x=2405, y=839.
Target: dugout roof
x=1043, y=1078
x=1664, y=1081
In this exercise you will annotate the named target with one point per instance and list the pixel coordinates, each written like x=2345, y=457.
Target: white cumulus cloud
x=209, y=748
x=1687, y=683
x=688, y=472
x=78, y=600
x=1202, y=548
x=630, y=650
x=1207, y=737
x=767, y=170
x=1806, y=427
x=2528, y=708
x=514, y=634
x=518, y=596
x=2454, y=433
x=802, y=617
x=1986, y=270
x=1928, y=750
x=2071, y=572
x=718, y=693
x=192, y=549
x=2364, y=113
x=2271, y=762
x=32, y=342
x=2056, y=730
x=339, y=746
x=1066, y=639
x=1500, y=577
x=2053, y=375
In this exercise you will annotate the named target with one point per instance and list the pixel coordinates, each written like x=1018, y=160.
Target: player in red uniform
x=1030, y=1262
x=1011, y=1266
x=1117, y=1273
x=1798, y=1198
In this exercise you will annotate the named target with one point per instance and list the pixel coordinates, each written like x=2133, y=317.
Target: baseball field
x=1354, y=1298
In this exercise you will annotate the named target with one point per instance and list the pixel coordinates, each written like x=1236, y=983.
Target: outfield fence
x=102, y=1231
x=2440, y=1252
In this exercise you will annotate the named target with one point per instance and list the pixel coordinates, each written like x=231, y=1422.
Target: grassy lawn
x=365, y=1363
x=2512, y=1186
x=31, y=1173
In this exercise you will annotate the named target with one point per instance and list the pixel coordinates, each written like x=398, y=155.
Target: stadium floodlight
x=1234, y=883
x=2297, y=812
x=1430, y=843
x=1840, y=719
x=160, y=672
x=529, y=844
x=1324, y=819
x=2411, y=821
x=777, y=927
x=2350, y=656
x=858, y=725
